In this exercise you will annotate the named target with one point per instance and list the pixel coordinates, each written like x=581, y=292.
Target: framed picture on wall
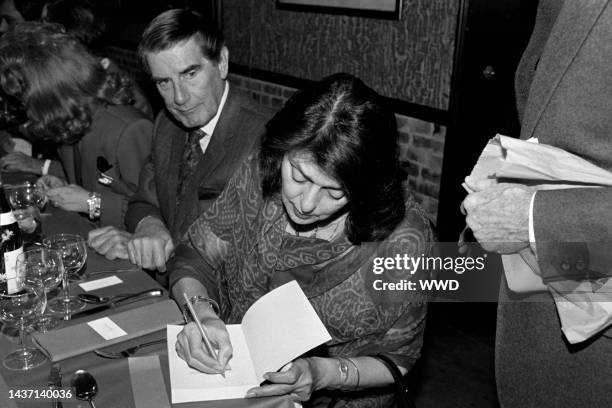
x=389, y=9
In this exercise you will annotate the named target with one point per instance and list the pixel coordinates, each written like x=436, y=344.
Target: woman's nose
x=309, y=200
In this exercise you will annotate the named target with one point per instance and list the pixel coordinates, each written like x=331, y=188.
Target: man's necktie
x=192, y=153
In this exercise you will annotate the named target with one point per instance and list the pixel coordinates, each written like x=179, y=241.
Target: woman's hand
x=69, y=198
x=299, y=378
x=110, y=242
x=18, y=161
x=191, y=348
x=49, y=181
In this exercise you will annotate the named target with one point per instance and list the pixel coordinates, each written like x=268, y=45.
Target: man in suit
x=205, y=132
x=564, y=95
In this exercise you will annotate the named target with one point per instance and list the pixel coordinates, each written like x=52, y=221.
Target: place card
x=100, y=283
x=106, y=328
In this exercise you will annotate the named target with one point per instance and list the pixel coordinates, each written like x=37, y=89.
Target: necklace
x=327, y=233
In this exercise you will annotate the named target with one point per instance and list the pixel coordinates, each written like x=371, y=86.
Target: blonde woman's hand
x=18, y=161
x=110, y=242
x=49, y=181
x=69, y=198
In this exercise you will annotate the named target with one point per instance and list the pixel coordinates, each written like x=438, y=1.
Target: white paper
x=106, y=328
x=535, y=161
x=100, y=283
x=278, y=328
x=188, y=384
x=522, y=275
x=526, y=161
x=281, y=326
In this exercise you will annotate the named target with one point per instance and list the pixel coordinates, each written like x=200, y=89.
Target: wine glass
x=73, y=251
x=45, y=266
x=16, y=305
x=26, y=201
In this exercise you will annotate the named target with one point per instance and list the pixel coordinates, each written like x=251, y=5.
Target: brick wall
x=421, y=142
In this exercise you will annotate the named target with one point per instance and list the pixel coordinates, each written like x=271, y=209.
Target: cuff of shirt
x=45, y=167
x=532, y=241
x=143, y=219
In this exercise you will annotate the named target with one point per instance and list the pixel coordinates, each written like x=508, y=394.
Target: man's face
x=191, y=85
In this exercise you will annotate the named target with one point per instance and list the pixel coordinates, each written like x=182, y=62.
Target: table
x=112, y=376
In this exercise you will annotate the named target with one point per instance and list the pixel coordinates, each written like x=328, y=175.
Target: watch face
x=105, y=180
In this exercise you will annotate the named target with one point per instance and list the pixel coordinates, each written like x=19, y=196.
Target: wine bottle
x=11, y=246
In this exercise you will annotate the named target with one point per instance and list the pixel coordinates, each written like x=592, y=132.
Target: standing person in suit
x=69, y=98
x=200, y=139
x=564, y=95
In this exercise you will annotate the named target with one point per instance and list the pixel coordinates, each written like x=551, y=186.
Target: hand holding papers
x=582, y=311
x=279, y=327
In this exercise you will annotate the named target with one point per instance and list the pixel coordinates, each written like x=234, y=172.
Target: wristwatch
x=94, y=204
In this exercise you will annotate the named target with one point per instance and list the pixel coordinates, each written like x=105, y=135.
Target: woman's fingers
x=269, y=390
x=191, y=348
x=295, y=379
x=225, y=353
x=286, y=377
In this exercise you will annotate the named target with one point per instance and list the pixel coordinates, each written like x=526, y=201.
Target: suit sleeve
x=56, y=169
x=132, y=150
x=573, y=230
x=145, y=201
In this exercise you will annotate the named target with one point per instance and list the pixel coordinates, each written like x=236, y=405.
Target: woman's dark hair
x=176, y=26
x=58, y=83
x=343, y=125
x=80, y=20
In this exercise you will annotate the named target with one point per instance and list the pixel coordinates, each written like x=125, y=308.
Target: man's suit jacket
x=564, y=94
x=121, y=135
x=240, y=125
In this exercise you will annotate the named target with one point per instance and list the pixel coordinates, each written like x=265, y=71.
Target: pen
x=209, y=346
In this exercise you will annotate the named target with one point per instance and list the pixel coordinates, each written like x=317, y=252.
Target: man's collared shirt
x=209, y=128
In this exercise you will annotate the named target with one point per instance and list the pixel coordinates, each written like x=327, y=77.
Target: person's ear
x=105, y=62
x=224, y=62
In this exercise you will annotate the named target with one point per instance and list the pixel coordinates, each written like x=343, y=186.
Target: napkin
x=148, y=387
x=82, y=338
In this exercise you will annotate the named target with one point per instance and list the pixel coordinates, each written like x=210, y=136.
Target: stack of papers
x=583, y=310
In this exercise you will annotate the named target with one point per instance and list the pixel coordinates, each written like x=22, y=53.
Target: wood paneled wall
x=410, y=59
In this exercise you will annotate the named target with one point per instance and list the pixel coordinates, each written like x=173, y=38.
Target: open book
x=281, y=326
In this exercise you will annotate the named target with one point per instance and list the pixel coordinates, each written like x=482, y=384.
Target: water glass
x=18, y=306
x=44, y=266
x=73, y=251
x=26, y=201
